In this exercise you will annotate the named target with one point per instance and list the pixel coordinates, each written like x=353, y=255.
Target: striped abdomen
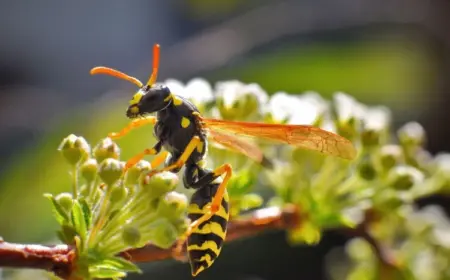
x=205, y=242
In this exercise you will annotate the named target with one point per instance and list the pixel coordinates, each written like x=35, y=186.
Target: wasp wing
x=239, y=145
x=303, y=136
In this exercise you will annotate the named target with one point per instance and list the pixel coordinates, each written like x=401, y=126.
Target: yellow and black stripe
x=205, y=242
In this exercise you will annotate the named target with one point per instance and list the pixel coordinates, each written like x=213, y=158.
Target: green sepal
x=162, y=233
x=86, y=211
x=66, y=234
x=58, y=211
x=79, y=220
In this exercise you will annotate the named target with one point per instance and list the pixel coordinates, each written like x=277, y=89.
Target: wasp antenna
x=115, y=73
x=154, y=75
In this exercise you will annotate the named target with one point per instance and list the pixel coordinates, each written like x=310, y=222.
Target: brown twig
x=60, y=259
x=256, y=222
x=384, y=255
x=57, y=259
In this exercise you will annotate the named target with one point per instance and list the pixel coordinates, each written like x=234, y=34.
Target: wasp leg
x=215, y=203
x=133, y=124
x=193, y=144
x=135, y=159
x=158, y=160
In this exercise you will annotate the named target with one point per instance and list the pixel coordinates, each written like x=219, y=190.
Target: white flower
x=176, y=87
x=347, y=107
x=197, y=90
x=297, y=109
x=377, y=118
x=234, y=90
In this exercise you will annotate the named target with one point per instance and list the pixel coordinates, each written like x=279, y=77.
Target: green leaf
x=120, y=264
x=79, y=220
x=67, y=234
x=241, y=183
x=78, y=245
x=86, y=212
x=58, y=211
x=307, y=232
x=251, y=201
x=102, y=272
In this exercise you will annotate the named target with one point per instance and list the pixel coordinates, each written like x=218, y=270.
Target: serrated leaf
x=79, y=221
x=59, y=212
x=101, y=272
x=86, y=212
x=121, y=264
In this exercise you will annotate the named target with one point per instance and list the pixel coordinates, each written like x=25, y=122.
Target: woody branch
x=59, y=259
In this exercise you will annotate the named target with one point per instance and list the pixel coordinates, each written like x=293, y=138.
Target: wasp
x=183, y=133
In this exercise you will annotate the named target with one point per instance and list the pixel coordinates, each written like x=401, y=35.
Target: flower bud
x=159, y=184
x=349, y=114
x=89, y=170
x=110, y=171
x=134, y=172
x=404, y=177
x=239, y=101
x=390, y=156
x=162, y=233
x=375, y=125
x=389, y=199
x=106, y=148
x=172, y=205
x=131, y=236
x=366, y=169
x=358, y=249
x=442, y=166
x=74, y=149
x=118, y=194
x=347, y=128
x=65, y=200
x=411, y=134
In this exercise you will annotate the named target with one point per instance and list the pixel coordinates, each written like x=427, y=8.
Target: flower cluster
x=378, y=189
x=110, y=211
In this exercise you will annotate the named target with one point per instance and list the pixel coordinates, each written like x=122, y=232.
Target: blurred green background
x=395, y=53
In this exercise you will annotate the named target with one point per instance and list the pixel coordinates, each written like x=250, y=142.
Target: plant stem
x=92, y=189
x=100, y=220
x=75, y=181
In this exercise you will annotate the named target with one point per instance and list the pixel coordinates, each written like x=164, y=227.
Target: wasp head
x=149, y=99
